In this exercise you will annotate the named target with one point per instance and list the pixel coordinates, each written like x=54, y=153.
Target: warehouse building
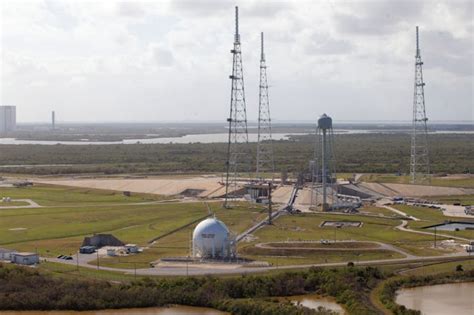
x=24, y=258
x=5, y=254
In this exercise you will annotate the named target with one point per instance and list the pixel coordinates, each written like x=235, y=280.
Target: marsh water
x=453, y=298
x=314, y=301
x=172, y=310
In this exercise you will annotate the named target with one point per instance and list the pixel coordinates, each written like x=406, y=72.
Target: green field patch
x=51, y=195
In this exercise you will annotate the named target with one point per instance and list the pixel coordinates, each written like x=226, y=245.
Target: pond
x=314, y=301
x=453, y=298
x=172, y=310
x=453, y=226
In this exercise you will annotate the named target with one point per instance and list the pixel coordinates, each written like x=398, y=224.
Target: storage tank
x=212, y=239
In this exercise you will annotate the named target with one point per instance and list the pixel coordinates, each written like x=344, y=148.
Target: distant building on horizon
x=7, y=118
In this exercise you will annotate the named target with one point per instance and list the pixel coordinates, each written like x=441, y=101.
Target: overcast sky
x=170, y=60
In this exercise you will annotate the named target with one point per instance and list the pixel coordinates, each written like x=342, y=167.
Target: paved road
x=31, y=204
x=238, y=269
x=403, y=227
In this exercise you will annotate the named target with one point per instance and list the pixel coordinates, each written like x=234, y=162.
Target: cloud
x=324, y=44
x=377, y=17
x=130, y=9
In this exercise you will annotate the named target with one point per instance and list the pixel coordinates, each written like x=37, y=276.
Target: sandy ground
x=407, y=190
x=210, y=186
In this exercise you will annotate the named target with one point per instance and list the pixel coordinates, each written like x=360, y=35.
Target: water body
x=455, y=298
x=454, y=226
x=314, y=301
x=173, y=310
x=204, y=138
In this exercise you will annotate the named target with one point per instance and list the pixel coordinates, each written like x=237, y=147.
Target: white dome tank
x=212, y=239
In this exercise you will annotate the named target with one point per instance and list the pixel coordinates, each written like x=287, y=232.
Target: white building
x=212, y=239
x=7, y=118
x=24, y=258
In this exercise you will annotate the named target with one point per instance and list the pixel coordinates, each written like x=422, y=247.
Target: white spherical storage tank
x=212, y=239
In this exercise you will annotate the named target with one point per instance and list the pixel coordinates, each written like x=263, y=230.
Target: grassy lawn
x=237, y=219
x=379, y=211
x=463, y=199
x=307, y=227
x=48, y=195
x=433, y=216
x=467, y=182
x=13, y=204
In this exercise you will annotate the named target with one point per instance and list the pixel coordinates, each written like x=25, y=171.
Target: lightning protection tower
x=419, y=161
x=238, y=152
x=324, y=172
x=265, y=161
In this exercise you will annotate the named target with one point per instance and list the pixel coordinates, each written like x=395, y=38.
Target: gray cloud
x=323, y=44
x=377, y=17
x=130, y=9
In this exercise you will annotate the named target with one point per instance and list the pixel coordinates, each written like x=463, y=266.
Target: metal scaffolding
x=419, y=161
x=265, y=163
x=238, y=153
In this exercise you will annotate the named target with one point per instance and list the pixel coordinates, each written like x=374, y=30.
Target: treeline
x=367, y=153
x=25, y=289
x=390, y=288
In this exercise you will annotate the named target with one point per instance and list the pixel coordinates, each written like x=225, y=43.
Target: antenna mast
x=265, y=162
x=238, y=152
x=419, y=160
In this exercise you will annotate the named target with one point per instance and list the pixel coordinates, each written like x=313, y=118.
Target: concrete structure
x=212, y=239
x=131, y=248
x=87, y=249
x=101, y=240
x=7, y=118
x=5, y=254
x=24, y=258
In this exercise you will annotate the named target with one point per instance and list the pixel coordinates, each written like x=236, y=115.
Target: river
x=453, y=298
x=173, y=310
x=198, y=138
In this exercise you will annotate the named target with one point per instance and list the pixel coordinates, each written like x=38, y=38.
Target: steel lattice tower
x=238, y=153
x=265, y=161
x=419, y=161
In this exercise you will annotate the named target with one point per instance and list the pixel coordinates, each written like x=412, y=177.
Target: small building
x=24, y=258
x=101, y=240
x=5, y=254
x=87, y=249
x=131, y=248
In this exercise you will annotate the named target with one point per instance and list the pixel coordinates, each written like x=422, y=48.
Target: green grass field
x=13, y=204
x=68, y=215
x=429, y=217
x=463, y=199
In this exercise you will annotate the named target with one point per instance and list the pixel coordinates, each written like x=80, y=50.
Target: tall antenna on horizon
x=419, y=160
x=265, y=162
x=238, y=152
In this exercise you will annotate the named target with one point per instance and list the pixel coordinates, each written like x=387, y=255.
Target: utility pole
x=435, y=237
x=97, y=259
x=419, y=158
x=270, y=203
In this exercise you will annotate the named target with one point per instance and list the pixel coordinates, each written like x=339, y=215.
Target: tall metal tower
x=238, y=152
x=324, y=170
x=265, y=161
x=419, y=161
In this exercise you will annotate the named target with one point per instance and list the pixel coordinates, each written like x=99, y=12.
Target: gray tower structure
x=265, y=161
x=324, y=171
x=419, y=161
x=238, y=151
